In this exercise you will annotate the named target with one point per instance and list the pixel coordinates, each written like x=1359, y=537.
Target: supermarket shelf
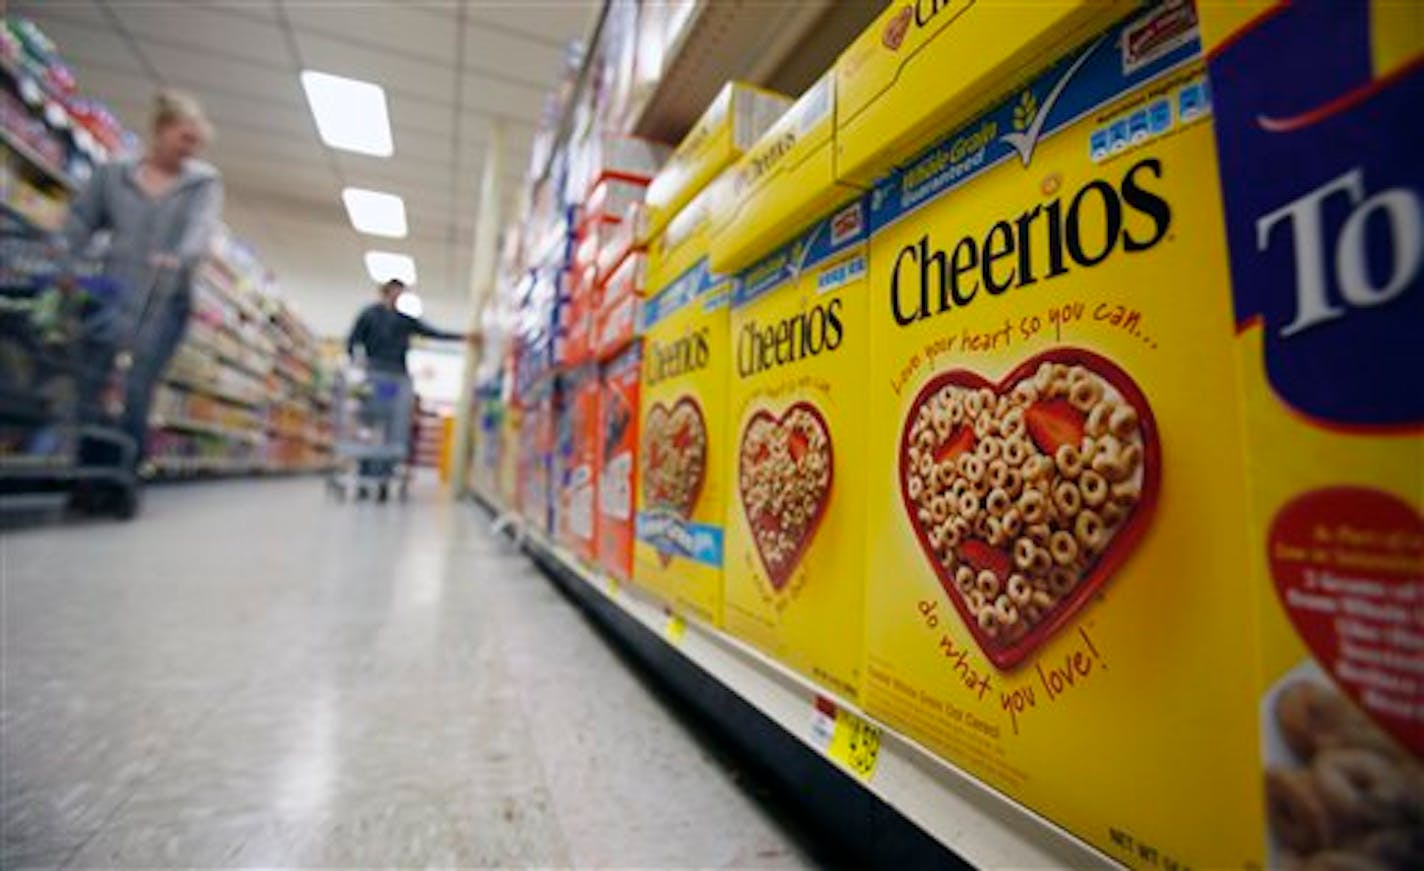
x=723, y=42
x=49, y=170
x=19, y=74
x=952, y=808
x=205, y=428
x=209, y=390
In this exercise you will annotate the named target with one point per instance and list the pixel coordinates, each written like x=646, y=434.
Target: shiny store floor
x=252, y=675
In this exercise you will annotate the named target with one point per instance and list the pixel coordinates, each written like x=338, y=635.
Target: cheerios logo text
x=678, y=357
x=1046, y=241
x=802, y=335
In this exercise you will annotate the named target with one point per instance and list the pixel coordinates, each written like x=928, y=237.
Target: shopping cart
x=373, y=423
x=63, y=363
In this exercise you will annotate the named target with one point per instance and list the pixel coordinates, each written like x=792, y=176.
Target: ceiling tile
x=260, y=10
x=394, y=29
x=219, y=33
x=205, y=71
x=550, y=23
x=512, y=59
x=85, y=12
x=422, y=79
x=84, y=41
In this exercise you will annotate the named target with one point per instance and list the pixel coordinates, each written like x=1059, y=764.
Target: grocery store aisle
x=252, y=675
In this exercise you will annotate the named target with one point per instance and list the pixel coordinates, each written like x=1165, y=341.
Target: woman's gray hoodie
x=181, y=223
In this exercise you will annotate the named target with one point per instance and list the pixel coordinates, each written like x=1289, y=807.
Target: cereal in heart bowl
x=674, y=456
x=1028, y=494
x=785, y=466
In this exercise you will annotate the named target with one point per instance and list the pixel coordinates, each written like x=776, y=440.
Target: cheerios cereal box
x=682, y=424
x=1057, y=600
x=795, y=581
x=1322, y=180
x=784, y=182
x=736, y=117
x=618, y=460
x=924, y=66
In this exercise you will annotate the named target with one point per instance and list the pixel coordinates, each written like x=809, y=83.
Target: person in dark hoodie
x=383, y=332
x=160, y=211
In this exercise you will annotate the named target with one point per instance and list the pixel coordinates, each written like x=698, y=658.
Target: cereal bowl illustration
x=1027, y=494
x=674, y=456
x=785, y=466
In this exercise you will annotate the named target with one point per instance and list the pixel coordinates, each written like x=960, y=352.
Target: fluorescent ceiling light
x=409, y=303
x=350, y=114
x=375, y=213
x=384, y=265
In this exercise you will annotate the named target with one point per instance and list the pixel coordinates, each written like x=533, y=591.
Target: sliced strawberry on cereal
x=797, y=445
x=1053, y=423
x=960, y=441
x=981, y=555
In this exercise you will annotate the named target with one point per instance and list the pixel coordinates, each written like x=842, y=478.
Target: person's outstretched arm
x=421, y=328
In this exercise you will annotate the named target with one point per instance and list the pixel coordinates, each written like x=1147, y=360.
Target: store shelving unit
x=886, y=795
x=789, y=725
x=246, y=393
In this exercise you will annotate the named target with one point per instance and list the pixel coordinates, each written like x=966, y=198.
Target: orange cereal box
x=618, y=460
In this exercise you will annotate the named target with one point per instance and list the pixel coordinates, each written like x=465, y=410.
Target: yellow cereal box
x=737, y=117
x=682, y=462
x=795, y=581
x=925, y=66
x=783, y=182
x=685, y=240
x=1322, y=180
x=1056, y=600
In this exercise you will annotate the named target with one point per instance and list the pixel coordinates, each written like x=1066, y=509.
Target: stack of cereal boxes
x=1057, y=518
x=612, y=172
x=681, y=494
x=795, y=240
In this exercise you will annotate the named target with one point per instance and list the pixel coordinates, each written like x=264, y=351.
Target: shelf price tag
x=845, y=737
x=675, y=628
x=612, y=588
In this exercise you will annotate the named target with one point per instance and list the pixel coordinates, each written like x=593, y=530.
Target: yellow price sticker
x=855, y=743
x=613, y=588
x=675, y=628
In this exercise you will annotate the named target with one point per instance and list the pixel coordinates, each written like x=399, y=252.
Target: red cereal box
x=617, y=460
x=615, y=322
x=575, y=460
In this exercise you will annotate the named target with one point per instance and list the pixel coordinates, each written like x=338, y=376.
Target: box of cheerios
x=682, y=466
x=795, y=579
x=1056, y=600
x=1322, y=180
x=923, y=67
